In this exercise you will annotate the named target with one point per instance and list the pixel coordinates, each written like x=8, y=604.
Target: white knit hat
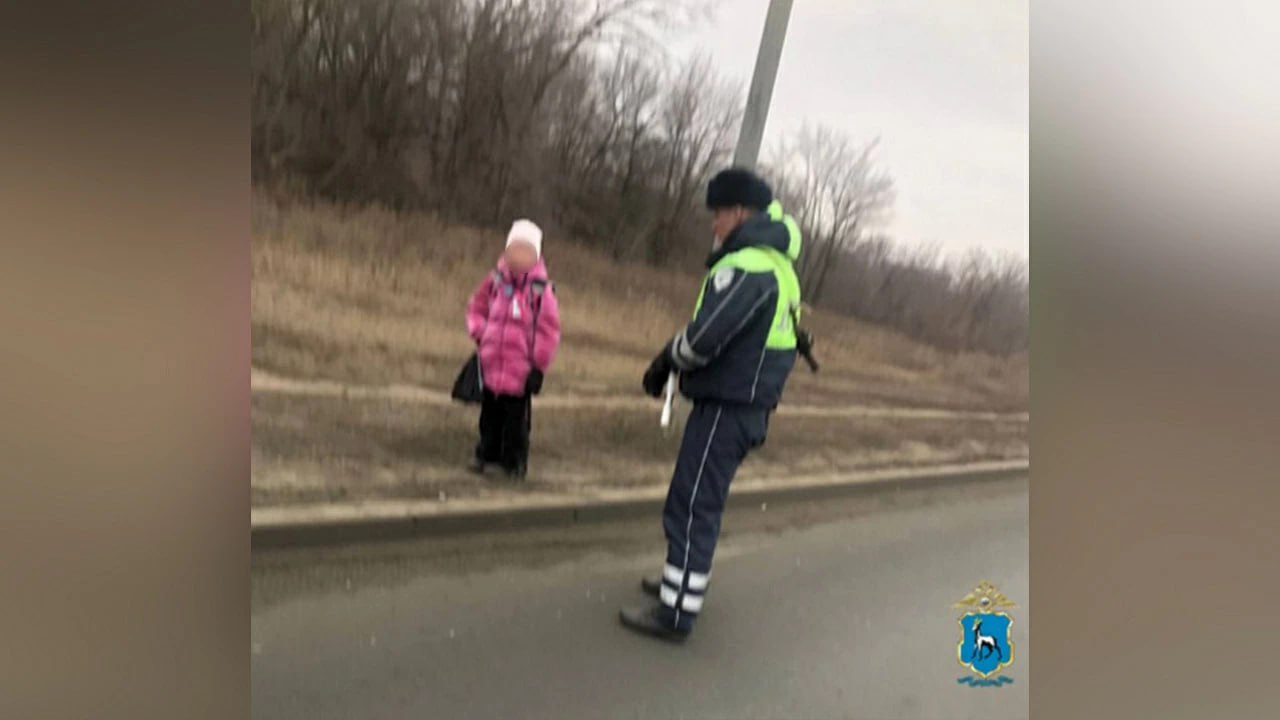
x=527, y=231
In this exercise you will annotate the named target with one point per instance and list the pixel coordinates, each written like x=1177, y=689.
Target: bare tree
x=842, y=199
x=699, y=118
x=571, y=111
x=837, y=190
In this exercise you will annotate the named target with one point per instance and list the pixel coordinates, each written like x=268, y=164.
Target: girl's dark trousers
x=505, y=423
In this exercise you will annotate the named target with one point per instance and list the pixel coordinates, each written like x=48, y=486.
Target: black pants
x=716, y=440
x=505, y=423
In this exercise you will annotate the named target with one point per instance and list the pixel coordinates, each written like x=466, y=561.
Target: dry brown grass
x=371, y=297
x=326, y=449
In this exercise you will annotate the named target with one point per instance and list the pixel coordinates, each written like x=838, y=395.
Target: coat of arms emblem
x=986, y=642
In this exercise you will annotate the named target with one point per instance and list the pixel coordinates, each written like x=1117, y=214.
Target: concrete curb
x=399, y=520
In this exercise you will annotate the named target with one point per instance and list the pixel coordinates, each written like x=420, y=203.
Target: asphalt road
x=828, y=610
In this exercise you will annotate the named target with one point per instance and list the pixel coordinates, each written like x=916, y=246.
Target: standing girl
x=515, y=320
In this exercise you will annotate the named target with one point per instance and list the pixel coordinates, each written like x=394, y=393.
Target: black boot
x=646, y=621
x=651, y=586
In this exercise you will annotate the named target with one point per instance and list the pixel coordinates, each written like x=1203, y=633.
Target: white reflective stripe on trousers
x=688, y=536
x=672, y=574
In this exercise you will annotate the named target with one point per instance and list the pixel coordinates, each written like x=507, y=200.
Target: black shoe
x=645, y=621
x=651, y=586
x=518, y=472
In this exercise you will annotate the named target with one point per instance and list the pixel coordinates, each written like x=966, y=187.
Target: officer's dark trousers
x=716, y=440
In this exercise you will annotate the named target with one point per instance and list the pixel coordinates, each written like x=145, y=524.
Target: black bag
x=469, y=387
x=804, y=342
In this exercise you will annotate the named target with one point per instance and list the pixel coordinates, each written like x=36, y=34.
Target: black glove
x=533, y=384
x=655, y=378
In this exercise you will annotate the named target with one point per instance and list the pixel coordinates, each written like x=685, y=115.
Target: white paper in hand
x=666, y=406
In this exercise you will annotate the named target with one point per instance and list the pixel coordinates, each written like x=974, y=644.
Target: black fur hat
x=736, y=186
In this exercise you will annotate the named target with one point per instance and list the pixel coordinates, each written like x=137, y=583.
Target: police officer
x=733, y=360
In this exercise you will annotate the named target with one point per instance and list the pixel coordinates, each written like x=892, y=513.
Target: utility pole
x=753, y=119
x=757, y=110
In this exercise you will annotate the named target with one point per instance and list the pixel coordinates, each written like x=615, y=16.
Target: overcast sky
x=942, y=82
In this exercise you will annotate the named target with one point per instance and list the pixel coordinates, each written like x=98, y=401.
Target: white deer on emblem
x=983, y=643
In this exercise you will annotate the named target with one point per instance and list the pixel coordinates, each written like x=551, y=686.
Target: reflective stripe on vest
x=782, y=333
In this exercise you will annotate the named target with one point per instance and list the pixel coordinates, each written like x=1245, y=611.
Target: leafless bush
x=842, y=198
x=486, y=109
x=568, y=111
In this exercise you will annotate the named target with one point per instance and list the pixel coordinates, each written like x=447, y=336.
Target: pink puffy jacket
x=500, y=321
